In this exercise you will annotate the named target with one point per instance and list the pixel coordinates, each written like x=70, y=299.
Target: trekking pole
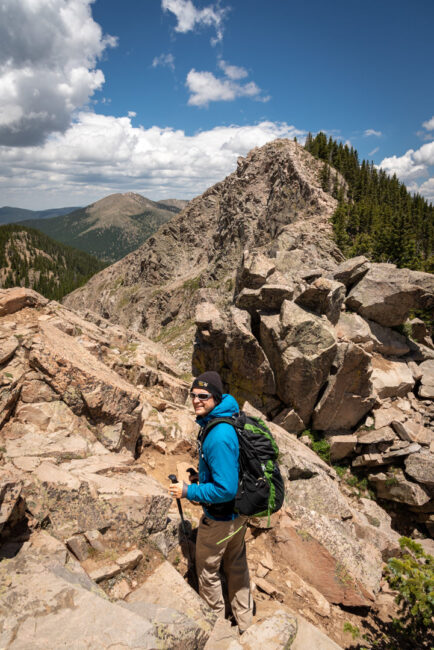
x=173, y=478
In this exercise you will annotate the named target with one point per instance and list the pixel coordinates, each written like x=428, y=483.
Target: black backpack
x=260, y=484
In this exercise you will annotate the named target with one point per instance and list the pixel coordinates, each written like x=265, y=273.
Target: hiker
x=221, y=531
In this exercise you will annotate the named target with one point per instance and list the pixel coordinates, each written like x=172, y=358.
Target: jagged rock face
x=273, y=199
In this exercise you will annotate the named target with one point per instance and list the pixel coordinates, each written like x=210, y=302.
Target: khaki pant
x=233, y=552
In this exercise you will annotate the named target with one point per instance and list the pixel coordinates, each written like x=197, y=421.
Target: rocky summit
x=246, y=280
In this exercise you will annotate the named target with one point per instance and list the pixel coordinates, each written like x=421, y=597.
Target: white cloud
x=427, y=189
x=429, y=124
x=413, y=164
x=232, y=71
x=48, y=54
x=100, y=154
x=369, y=132
x=188, y=17
x=205, y=88
x=164, y=60
x=371, y=153
x=132, y=114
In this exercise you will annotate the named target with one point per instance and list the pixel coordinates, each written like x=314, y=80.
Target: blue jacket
x=218, y=471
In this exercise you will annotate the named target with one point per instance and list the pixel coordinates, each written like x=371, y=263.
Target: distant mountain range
x=28, y=258
x=12, y=215
x=110, y=228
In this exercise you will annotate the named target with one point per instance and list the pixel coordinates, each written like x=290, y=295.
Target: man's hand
x=178, y=490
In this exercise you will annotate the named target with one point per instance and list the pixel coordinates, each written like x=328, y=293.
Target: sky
x=160, y=97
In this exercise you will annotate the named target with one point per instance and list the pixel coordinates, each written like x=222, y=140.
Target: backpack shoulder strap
x=212, y=423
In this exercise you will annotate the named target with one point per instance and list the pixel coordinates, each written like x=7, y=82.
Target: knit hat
x=212, y=382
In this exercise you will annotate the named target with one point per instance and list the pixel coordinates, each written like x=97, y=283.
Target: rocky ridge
x=93, y=421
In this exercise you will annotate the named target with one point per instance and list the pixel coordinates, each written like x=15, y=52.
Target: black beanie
x=212, y=382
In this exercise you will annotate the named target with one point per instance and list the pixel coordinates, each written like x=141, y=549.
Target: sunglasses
x=201, y=396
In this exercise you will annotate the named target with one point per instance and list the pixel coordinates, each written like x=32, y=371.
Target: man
x=221, y=531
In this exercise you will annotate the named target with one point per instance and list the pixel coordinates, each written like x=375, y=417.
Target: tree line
x=29, y=258
x=376, y=216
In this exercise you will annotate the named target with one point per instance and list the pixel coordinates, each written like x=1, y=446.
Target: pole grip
x=173, y=478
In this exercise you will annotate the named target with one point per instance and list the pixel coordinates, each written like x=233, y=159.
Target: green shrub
x=319, y=444
x=412, y=575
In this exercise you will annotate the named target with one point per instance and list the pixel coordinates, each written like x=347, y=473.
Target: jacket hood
x=227, y=407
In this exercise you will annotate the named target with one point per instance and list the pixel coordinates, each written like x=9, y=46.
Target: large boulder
x=395, y=487
x=386, y=295
x=276, y=632
x=391, y=378
x=300, y=348
x=348, y=395
x=12, y=300
x=87, y=385
x=420, y=467
x=227, y=344
x=426, y=390
x=50, y=603
x=351, y=271
x=323, y=296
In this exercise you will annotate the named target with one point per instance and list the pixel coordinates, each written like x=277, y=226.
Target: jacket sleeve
x=221, y=452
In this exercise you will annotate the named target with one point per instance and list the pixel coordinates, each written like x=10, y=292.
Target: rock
x=42, y=579
x=268, y=297
x=10, y=493
x=368, y=460
x=129, y=560
x=419, y=330
x=421, y=468
x=78, y=546
x=393, y=454
x=385, y=415
x=290, y=421
x=300, y=347
x=373, y=524
x=301, y=544
x=412, y=431
x=166, y=587
x=105, y=572
x=348, y=394
x=223, y=637
x=276, y=632
x=386, y=341
x=426, y=389
x=7, y=349
x=267, y=588
x=235, y=353
x=255, y=269
x=352, y=327
x=312, y=596
x=120, y=590
x=385, y=295
x=395, y=487
x=352, y=270
x=319, y=494
x=96, y=540
x=323, y=296
x=12, y=300
x=341, y=446
x=391, y=378
x=383, y=435
x=311, y=637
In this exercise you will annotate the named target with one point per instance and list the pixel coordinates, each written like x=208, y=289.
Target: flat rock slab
x=310, y=637
x=12, y=300
x=395, y=487
x=86, y=384
x=391, y=378
x=274, y=633
x=426, y=390
x=105, y=572
x=166, y=587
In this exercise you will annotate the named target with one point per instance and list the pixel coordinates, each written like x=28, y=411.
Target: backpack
x=260, y=483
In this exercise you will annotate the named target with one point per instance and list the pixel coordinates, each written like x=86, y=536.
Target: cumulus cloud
x=413, y=164
x=369, y=132
x=232, y=71
x=429, y=124
x=101, y=154
x=164, y=60
x=205, y=88
x=189, y=17
x=48, y=54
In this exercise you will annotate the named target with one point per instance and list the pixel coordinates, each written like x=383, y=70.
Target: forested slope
x=29, y=258
x=377, y=217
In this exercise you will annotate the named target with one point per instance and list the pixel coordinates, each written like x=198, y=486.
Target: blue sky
x=162, y=96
